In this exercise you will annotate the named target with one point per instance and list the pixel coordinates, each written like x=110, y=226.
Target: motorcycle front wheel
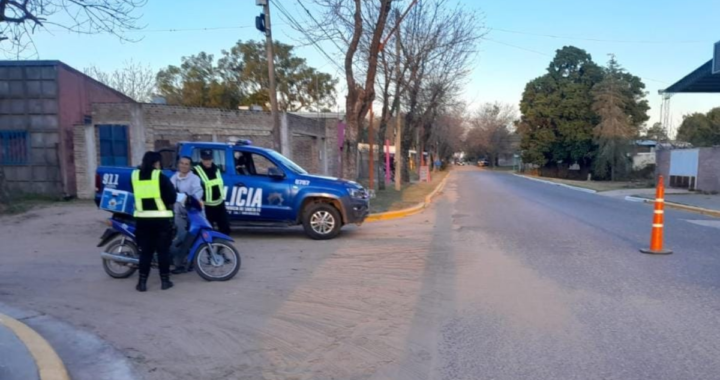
x=223, y=266
x=120, y=270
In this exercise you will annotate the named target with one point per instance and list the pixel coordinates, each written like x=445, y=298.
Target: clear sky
x=658, y=40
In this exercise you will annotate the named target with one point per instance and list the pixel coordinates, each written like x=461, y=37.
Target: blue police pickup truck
x=264, y=189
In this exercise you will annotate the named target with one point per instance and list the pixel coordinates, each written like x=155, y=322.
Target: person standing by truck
x=212, y=182
x=155, y=197
x=185, y=182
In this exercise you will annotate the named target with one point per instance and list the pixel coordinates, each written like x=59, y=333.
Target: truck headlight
x=358, y=193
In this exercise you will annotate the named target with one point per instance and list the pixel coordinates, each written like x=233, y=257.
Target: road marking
x=48, y=363
x=705, y=223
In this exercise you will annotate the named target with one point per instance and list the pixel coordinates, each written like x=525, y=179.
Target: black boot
x=180, y=269
x=142, y=283
x=166, y=283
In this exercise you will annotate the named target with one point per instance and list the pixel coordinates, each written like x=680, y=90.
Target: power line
x=319, y=25
x=200, y=29
x=300, y=28
x=516, y=47
x=598, y=39
x=550, y=55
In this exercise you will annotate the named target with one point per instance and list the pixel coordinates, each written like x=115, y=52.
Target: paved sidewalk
x=710, y=202
x=16, y=363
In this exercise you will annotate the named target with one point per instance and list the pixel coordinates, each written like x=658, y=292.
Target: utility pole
x=398, y=127
x=277, y=141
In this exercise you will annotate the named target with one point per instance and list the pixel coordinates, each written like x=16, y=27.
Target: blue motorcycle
x=210, y=253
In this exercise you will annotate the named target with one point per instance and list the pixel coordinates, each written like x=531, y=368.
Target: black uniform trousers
x=218, y=215
x=154, y=235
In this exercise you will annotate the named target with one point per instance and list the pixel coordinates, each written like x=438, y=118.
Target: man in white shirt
x=187, y=183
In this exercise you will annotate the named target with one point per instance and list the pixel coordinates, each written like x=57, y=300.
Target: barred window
x=14, y=148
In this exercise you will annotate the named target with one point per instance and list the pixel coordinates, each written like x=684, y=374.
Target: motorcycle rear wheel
x=119, y=270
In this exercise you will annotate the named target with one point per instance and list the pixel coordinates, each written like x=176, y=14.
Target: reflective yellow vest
x=149, y=189
x=210, y=184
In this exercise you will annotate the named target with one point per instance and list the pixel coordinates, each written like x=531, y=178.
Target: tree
x=438, y=46
x=490, y=133
x=240, y=77
x=198, y=83
x=558, y=120
x=701, y=130
x=614, y=133
x=299, y=86
x=133, y=79
x=656, y=133
x=19, y=19
x=356, y=29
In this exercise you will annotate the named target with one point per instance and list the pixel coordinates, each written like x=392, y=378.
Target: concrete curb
x=576, y=188
x=678, y=206
x=410, y=210
x=48, y=363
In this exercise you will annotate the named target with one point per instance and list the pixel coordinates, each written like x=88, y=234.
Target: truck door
x=258, y=196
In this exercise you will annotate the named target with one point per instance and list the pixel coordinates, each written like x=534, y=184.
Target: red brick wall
x=76, y=93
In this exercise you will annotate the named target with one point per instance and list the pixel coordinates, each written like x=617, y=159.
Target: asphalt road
x=502, y=278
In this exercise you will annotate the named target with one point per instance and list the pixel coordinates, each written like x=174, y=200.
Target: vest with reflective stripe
x=210, y=184
x=149, y=189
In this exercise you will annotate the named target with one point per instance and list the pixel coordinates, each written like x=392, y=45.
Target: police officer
x=155, y=197
x=212, y=181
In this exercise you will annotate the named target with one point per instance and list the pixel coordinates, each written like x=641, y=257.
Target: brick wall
x=708, y=178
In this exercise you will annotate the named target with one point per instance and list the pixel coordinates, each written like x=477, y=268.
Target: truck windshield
x=288, y=163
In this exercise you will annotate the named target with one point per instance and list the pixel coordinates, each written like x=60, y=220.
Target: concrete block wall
x=29, y=102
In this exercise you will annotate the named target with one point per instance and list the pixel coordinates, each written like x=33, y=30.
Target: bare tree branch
x=19, y=19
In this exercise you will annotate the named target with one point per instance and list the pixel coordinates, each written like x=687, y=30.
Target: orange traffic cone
x=656, y=236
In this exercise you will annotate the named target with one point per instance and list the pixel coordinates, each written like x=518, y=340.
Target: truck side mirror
x=275, y=173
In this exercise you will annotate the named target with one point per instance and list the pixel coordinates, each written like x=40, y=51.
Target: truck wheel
x=321, y=221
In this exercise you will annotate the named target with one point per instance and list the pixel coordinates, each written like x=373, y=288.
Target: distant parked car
x=483, y=163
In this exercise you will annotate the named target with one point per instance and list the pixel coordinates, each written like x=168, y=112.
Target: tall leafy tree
x=299, y=86
x=557, y=117
x=702, y=130
x=558, y=120
x=614, y=133
x=197, y=83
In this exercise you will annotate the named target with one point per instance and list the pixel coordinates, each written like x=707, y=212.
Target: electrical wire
x=550, y=55
x=598, y=39
x=293, y=22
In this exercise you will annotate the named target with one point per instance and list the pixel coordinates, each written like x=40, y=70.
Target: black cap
x=206, y=154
